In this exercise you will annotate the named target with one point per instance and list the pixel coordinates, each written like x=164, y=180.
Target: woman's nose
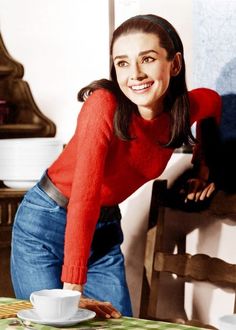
x=137, y=73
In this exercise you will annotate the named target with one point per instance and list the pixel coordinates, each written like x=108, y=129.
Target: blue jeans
x=38, y=252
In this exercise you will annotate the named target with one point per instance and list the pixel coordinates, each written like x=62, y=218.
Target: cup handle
x=32, y=299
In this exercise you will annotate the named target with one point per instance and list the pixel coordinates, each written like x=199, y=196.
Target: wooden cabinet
x=9, y=201
x=19, y=118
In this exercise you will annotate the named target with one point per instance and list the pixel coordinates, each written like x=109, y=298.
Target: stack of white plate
x=23, y=161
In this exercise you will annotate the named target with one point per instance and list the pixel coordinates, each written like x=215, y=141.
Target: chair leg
x=154, y=241
x=145, y=292
x=148, y=278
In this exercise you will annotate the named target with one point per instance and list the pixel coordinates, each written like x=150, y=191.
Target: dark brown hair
x=176, y=101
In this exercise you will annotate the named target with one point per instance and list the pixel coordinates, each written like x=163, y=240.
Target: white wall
x=62, y=45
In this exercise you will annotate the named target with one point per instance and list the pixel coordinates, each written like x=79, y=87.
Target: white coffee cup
x=55, y=304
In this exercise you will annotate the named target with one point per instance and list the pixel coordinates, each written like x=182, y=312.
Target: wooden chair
x=166, y=255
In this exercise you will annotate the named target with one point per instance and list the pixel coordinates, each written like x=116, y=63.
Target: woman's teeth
x=140, y=87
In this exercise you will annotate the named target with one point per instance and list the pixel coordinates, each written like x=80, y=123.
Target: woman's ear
x=176, y=64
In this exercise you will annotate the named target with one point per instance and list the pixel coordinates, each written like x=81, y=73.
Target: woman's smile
x=141, y=88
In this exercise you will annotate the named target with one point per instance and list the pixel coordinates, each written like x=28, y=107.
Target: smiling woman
x=144, y=71
x=67, y=232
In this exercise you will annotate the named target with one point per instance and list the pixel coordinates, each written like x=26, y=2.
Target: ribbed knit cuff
x=74, y=274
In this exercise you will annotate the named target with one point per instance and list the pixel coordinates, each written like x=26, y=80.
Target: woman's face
x=143, y=71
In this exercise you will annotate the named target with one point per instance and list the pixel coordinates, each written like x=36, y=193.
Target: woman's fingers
x=113, y=311
x=106, y=310
x=205, y=193
x=199, y=190
x=102, y=309
x=211, y=189
x=194, y=187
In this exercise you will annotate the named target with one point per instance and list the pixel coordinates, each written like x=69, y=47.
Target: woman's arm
x=205, y=109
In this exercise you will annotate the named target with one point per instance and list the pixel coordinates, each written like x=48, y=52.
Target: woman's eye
x=122, y=64
x=148, y=59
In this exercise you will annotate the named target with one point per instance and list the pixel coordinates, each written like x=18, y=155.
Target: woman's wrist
x=202, y=171
x=73, y=286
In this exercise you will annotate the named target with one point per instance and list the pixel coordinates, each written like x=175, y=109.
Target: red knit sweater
x=98, y=169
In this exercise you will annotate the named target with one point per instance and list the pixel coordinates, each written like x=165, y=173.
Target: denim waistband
x=106, y=212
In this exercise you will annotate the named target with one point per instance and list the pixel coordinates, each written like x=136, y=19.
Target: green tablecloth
x=123, y=323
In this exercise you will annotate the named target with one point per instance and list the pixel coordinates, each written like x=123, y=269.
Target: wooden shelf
x=19, y=128
x=11, y=131
x=11, y=193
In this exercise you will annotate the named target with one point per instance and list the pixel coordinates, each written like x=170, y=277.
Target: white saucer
x=80, y=316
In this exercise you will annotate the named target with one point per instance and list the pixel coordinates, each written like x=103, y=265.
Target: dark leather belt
x=52, y=191
x=107, y=212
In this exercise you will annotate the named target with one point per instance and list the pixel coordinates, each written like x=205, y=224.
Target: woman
x=67, y=229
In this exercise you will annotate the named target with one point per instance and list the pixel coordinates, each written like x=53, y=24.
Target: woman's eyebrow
x=148, y=51
x=144, y=52
x=120, y=57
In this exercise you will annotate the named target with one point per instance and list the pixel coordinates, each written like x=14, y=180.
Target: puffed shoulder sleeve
x=204, y=103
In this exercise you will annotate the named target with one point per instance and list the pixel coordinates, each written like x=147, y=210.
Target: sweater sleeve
x=205, y=110
x=93, y=133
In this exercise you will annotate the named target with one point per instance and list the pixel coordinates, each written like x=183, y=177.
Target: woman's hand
x=103, y=309
x=198, y=189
